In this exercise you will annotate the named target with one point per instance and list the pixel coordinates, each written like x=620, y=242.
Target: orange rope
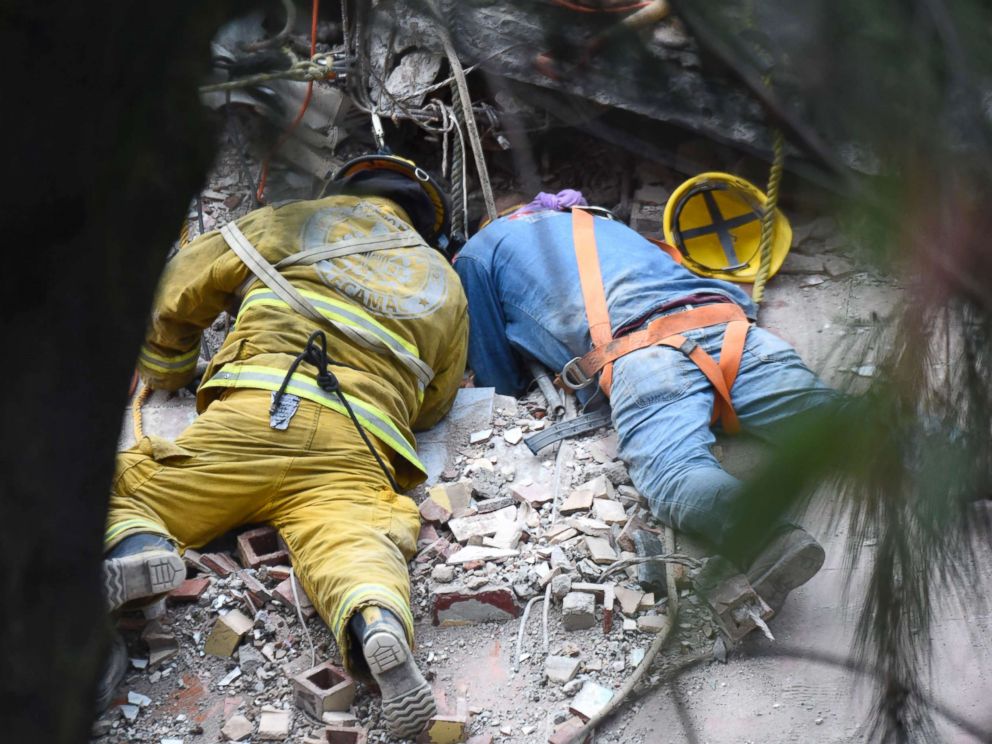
x=260, y=192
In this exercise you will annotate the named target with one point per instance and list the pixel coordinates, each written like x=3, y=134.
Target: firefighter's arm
x=490, y=354
x=196, y=285
x=440, y=394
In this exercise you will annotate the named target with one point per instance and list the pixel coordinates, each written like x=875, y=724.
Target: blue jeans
x=662, y=404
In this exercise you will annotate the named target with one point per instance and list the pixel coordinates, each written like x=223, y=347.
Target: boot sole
x=143, y=575
x=408, y=712
x=789, y=572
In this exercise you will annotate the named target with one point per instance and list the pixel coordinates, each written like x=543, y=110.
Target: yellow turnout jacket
x=407, y=299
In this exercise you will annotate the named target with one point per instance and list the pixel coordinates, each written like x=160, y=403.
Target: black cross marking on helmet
x=722, y=228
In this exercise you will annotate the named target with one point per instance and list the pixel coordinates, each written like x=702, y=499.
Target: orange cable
x=260, y=192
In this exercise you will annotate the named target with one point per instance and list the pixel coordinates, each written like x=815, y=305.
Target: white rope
x=299, y=614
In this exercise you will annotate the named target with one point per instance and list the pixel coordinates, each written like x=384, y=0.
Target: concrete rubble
x=229, y=659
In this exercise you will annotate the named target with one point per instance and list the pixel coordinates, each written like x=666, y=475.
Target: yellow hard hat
x=714, y=219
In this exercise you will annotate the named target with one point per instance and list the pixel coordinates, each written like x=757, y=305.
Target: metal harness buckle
x=572, y=376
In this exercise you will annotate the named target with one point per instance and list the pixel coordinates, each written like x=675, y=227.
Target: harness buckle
x=572, y=376
x=688, y=346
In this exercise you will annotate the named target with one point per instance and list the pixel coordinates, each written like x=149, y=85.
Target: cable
x=315, y=353
x=264, y=175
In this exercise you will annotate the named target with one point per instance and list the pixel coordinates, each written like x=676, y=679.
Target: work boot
x=788, y=561
x=407, y=699
x=140, y=566
x=114, y=669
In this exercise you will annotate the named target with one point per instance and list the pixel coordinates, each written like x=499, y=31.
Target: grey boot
x=140, y=566
x=407, y=700
x=788, y=561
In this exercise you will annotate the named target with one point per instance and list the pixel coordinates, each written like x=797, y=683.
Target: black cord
x=315, y=353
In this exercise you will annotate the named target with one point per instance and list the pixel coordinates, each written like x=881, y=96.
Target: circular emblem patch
x=392, y=283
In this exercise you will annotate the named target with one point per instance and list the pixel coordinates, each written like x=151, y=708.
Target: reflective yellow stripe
x=116, y=530
x=372, y=418
x=337, y=310
x=365, y=595
x=168, y=364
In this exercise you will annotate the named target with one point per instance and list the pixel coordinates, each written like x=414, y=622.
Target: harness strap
x=658, y=330
x=270, y=277
x=666, y=331
x=593, y=293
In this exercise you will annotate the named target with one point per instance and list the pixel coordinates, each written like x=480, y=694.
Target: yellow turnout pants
x=350, y=535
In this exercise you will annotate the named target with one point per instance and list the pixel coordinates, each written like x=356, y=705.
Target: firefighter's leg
x=350, y=537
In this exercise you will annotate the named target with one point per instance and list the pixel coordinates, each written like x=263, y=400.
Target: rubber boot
x=407, y=699
x=140, y=566
x=787, y=561
x=114, y=669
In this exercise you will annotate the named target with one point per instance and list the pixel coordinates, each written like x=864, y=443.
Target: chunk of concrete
x=237, y=728
x=600, y=550
x=482, y=525
x=561, y=669
x=592, y=698
x=479, y=553
x=227, y=633
x=609, y=511
x=274, y=723
x=652, y=623
x=630, y=599
x=578, y=611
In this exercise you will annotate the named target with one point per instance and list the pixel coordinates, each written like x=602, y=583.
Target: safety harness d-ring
x=573, y=378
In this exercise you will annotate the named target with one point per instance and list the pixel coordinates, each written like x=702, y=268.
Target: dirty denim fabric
x=522, y=284
x=662, y=404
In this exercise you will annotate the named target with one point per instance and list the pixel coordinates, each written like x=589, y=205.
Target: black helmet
x=415, y=190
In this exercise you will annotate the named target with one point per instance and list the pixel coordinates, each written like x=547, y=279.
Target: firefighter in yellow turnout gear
x=277, y=445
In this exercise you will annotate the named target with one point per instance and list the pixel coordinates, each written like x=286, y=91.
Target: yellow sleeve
x=440, y=394
x=198, y=283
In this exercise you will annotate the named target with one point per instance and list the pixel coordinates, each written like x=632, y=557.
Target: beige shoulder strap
x=271, y=278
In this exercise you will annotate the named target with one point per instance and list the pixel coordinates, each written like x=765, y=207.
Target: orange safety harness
x=666, y=331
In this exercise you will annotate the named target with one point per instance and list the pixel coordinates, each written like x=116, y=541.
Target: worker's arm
x=489, y=352
x=440, y=394
x=196, y=285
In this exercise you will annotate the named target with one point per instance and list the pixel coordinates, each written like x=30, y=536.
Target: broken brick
x=459, y=606
x=609, y=511
x=256, y=590
x=433, y=511
x=344, y=735
x=189, y=591
x=323, y=688
x=220, y=563
x=162, y=643
x=566, y=731
x=279, y=573
x=284, y=593
x=261, y=547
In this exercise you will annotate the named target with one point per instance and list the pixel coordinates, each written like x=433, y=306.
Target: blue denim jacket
x=525, y=299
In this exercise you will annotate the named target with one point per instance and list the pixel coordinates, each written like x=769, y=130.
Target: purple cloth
x=562, y=200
